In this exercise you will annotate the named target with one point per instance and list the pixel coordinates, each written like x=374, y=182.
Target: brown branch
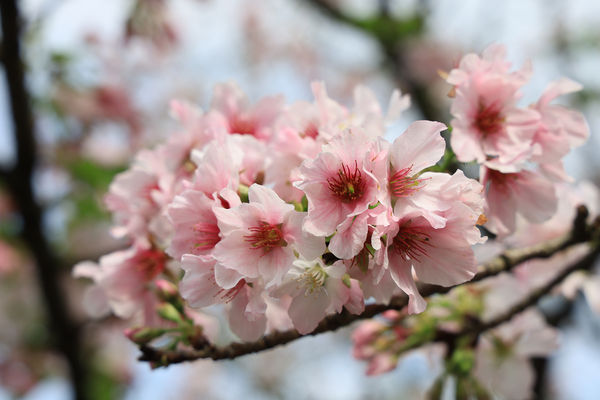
x=475, y=328
x=19, y=182
x=580, y=233
x=585, y=263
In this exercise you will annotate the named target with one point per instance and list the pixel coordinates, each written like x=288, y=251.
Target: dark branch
x=580, y=233
x=476, y=328
x=585, y=263
x=19, y=182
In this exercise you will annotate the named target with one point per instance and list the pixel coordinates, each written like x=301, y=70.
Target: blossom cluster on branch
x=282, y=214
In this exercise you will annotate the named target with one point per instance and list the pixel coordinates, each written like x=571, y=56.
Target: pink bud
x=382, y=362
x=165, y=289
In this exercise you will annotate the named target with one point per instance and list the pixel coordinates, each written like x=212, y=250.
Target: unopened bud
x=169, y=312
x=143, y=335
x=166, y=290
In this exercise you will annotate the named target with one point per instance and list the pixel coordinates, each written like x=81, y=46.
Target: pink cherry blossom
x=243, y=118
x=487, y=122
x=503, y=355
x=203, y=285
x=339, y=185
x=438, y=256
x=317, y=289
x=194, y=224
x=199, y=285
x=560, y=128
x=366, y=113
x=260, y=237
x=124, y=276
x=363, y=338
x=526, y=192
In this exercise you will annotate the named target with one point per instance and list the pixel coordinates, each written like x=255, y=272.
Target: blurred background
x=101, y=74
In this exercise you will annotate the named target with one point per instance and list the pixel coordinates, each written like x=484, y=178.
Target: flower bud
x=169, y=312
x=166, y=290
x=142, y=335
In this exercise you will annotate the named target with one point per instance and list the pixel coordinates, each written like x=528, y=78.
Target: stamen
x=488, y=119
x=411, y=242
x=226, y=295
x=313, y=280
x=348, y=185
x=266, y=237
x=402, y=184
x=206, y=236
x=311, y=131
x=149, y=263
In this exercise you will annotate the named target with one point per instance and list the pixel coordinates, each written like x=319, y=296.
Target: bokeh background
x=102, y=73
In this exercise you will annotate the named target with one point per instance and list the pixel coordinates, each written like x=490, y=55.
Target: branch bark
x=19, y=181
x=580, y=233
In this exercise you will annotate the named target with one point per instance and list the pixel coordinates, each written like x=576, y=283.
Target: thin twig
x=19, y=182
x=534, y=296
x=580, y=233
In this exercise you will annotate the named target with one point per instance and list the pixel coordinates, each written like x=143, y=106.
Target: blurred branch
x=580, y=233
x=477, y=328
x=391, y=35
x=19, y=182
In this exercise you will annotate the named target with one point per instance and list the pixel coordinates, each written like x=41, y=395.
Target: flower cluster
x=286, y=213
x=507, y=140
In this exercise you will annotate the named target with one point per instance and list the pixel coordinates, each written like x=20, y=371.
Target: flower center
x=311, y=131
x=149, y=263
x=411, y=242
x=242, y=126
x=266, y=237
x=402, y=184
x=206, y=236
x=488, y=119
x=502, y=182
x=313, y=279
x=348, y=185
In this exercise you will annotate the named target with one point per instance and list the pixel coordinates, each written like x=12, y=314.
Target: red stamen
x=488, y=120
x=501, y=181
x=411, y=242
x=149, y=263
x=311, y=131
x=226, y=295
x=265, y=237
x=206, y=236
x=348, y=185
x=402, y=184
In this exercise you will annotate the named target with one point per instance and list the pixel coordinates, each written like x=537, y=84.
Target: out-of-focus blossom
x=104, y=102
x=526, y=193
x=502, y=363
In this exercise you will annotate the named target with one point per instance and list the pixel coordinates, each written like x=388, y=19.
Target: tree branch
x=580, y=233
x=19, y=182
x=584, y=263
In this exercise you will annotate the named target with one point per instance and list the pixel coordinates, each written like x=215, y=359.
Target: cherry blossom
x=261, y=237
